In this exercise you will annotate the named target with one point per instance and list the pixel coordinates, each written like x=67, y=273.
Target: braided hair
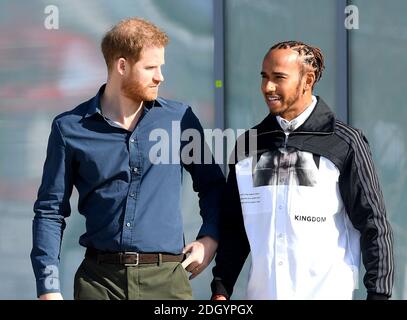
x=310, y=56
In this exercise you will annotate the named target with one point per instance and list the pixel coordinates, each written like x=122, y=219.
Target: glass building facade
x=213, y=63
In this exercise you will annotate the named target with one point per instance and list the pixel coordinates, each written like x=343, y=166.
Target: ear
x=309, y=80
x=121, y=66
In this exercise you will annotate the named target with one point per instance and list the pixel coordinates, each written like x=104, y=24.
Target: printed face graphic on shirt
x=286, y=166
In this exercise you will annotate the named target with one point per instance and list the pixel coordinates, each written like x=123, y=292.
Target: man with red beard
x=131, y=202
x=306, y=201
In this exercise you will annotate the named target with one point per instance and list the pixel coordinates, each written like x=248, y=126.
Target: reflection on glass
x=378, y=108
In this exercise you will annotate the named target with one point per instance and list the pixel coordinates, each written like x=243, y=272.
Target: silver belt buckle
x=137, y=259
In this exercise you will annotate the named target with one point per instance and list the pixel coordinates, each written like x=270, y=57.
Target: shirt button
x=128, y=224
x=280, y=236
x=132, y=140
x=280, y=263
x=280, y=207
x=132, y=195
x=135, y=170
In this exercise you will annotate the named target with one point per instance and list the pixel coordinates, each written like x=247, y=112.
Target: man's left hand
x=201, y=253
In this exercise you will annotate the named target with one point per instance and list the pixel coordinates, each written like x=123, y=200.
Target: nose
x=269, y=86
x=158, y=76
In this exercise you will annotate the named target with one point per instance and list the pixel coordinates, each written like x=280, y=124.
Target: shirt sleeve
x=363, y=199
x=233, y=247
x=51, y=207
x=208, y=179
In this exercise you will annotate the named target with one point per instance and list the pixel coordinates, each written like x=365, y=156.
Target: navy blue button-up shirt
x=129, y=183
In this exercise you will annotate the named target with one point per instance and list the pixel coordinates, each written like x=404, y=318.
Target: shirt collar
x=295, y=123
x=94, y=103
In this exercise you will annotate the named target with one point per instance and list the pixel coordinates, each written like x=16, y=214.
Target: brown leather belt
x=131, y=258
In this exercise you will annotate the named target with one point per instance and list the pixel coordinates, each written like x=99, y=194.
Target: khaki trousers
x=164, y=280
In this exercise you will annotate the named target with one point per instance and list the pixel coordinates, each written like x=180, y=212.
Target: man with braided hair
x=306, y=202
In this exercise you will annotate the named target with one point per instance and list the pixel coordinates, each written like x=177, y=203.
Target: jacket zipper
x=286, y=139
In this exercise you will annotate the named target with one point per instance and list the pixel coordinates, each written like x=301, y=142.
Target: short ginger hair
x=129, y=37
